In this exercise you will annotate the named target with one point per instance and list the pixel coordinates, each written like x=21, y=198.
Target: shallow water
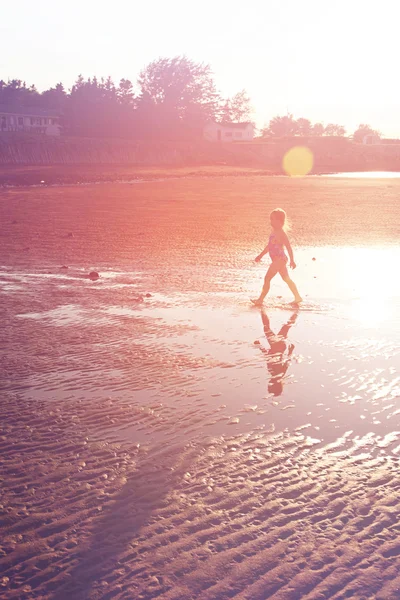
x=200, y=361
x=157, y=434
x=367, y=174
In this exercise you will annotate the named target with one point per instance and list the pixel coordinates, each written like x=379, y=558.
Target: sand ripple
x=253, y=516
x=160, y=438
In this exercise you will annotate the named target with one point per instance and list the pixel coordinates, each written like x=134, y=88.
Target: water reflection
x=280, y=352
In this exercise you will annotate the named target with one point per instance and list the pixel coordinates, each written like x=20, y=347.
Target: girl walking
x=278, y=241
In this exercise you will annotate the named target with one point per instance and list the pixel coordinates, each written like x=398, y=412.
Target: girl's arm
x=286, y=243
x=263, y=253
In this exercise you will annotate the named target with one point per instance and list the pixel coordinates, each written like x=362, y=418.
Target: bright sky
x=326, y=61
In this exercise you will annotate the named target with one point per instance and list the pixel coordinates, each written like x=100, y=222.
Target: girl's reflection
x=279, y=354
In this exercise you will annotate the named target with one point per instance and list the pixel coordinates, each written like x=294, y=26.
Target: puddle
x=217, y=364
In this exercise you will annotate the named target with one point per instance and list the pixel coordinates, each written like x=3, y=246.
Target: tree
x=54, y=98
x=146, y=116
x=304, y=127
x=237, y=109
x=96, y=107
x=225, y=115
x=282, y=126
x=183, y=93
x=335, y=130
x=16, y=93
x=125, y=92
x=288, y=126
x=318, y=129
x=364, y=130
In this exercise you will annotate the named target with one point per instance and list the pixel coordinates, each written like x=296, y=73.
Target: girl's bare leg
x=292, y=286
x=272, y=271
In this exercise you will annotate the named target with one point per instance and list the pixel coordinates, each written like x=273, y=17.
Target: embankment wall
x=330, y=154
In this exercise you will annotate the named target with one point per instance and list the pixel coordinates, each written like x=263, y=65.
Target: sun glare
x=366, y=175
x=371, y=311
x=373, y=273
x=298, y=161
x=374, y=283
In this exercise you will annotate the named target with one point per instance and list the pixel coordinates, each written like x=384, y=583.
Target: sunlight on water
x=368, y=175
x=373, y=278
x=346, y=273
x=371, y=271
x=326, y=367
x=371, y=311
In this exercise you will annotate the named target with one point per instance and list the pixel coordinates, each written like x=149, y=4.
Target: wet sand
x=45, y=175
x=159, y=438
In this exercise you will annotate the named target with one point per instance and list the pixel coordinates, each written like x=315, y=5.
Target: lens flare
x=298, y=161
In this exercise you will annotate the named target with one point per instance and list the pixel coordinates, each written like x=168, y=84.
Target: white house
x=228, y=132
x=31, y=120
x=371, y=139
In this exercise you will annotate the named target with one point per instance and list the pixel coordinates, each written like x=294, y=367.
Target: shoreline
x=60, y=175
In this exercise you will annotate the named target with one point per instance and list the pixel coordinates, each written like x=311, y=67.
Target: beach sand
x=153, y=443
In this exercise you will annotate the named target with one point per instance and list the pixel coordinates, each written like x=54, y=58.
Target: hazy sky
x=333, y=61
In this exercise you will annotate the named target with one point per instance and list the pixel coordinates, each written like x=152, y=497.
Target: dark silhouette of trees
x=335, y=130
x=287, y=126
x=318, y=130
x=364, y=130
x=304, y=127
x=281, y=127
x=54, y=98
x=99, y=108
x=179, y=94
x=237, y=109
x=125, y=93
x=172, y=99
x=16, y=93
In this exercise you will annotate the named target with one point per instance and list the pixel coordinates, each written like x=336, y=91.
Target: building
x=371, y=139
x=31, y=120
x=228, y=132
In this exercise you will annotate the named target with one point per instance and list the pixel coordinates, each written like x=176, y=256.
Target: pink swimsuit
x=275, y=248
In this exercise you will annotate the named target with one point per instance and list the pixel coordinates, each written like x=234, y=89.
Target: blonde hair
x=280, y=215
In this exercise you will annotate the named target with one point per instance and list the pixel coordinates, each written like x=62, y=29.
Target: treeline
x=172, y=99
x=287, y=126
